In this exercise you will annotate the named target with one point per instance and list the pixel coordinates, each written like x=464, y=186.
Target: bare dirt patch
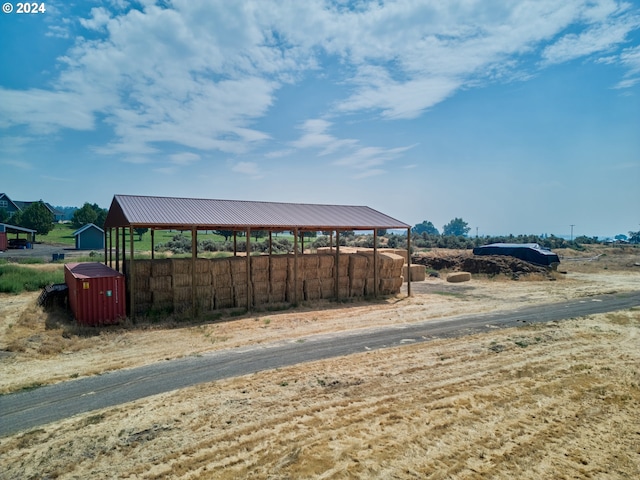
x=557, y=400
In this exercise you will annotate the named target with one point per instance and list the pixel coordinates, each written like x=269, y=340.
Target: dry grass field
x=555, y=400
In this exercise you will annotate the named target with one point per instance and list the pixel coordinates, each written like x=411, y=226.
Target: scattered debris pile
x=467, y=262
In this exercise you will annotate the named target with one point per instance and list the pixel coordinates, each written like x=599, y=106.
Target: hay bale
x=292, y=288
x=223, y=297
x=391, y=264
x=203, y=279
x=278, y=292
x=260, y=268
x=261, y=288
x=141, y=298
x=343, y=265
x=182, y=295
x=458, y=277
x=369, y=284
x=390, y=286
x=142, y=283
x=278, y=276
x=203, y=265
x=358, y=265
x=181, y=280
x=162, y=300
x=142, y=268
x=204, y=298
x=312, y=289
x=403, y=253
x=418, y=272
x=181, y=266
x=327, y=288
x=356, y=286
x=238, y=268
x=160, y=284
x=161, y=268
x=220, y=267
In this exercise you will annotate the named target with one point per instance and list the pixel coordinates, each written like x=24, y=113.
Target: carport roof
x=209, y=214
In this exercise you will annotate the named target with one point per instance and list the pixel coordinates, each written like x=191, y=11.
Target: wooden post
x=194, y=255
x=375, y=263
x=331, y=241
x=337, y=263
x=105, y=246
x=124, y=251
x=117, y=249
x=235, y=243
x=248, y=248
x=302, y=243
x=132, y=278
x=408, y=262
x=295, y=265
x=153, y=244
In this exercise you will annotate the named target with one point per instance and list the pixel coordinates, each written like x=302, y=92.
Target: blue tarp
x=529, y=252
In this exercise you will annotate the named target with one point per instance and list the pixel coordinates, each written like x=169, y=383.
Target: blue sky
x=520, y=117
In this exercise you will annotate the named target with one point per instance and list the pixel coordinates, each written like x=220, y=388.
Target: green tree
x=4, y=215
x=36, y=217
x=227, y=234
x=140, y=232
x=85, y=214
x=634, y=237
x=456, y=227
x=425, y=227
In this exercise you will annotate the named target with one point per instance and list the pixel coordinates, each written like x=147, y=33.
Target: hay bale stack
x=240, y=295
x=343, y=265
x=142, y=267
x=238, y=269
x=402, y=252
x=343, y=287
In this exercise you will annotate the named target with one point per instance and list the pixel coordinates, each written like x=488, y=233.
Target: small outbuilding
x=89, y=237
x=17, y=242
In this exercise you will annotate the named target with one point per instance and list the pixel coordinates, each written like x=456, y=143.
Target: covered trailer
x=529, y=252
x=96, y=293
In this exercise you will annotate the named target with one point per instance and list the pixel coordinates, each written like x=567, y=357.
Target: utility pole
x=572, y=231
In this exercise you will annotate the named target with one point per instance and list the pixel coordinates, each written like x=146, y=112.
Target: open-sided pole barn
x=128, y=212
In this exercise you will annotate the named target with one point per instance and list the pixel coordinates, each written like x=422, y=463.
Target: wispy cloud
x=199, y=74
x=251, y=169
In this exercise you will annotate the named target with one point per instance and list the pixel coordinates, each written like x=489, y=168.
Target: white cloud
x=184, y=158
x=18, y=164
x=200, y=73
x=250, y=169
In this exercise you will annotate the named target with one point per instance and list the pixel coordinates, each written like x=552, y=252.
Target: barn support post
x=105, y=247
x=235, y=243
x=111, y=248
x=124, y=251
x=270, y=253
x=295, y=265
x=117, y=249
x=409, y=262
x=337, y=263
x=194, y=255
x=153, y=244
x=132, y=277
x=248, y=248
x=331, y=241
x=302, y=243
x=375, y=263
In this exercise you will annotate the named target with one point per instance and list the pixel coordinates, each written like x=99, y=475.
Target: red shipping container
x=96, y=293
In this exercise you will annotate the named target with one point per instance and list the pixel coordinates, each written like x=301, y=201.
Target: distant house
x=89, y=237
x=13, y=206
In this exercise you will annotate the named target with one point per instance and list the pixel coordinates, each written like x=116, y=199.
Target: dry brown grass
x=558, y=400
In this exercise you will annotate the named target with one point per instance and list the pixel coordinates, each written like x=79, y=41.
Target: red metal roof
x=208, y=214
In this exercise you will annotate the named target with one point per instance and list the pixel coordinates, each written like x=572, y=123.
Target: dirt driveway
x=557, y=400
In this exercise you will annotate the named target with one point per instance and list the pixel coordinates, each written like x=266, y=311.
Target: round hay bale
x=458, y=277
